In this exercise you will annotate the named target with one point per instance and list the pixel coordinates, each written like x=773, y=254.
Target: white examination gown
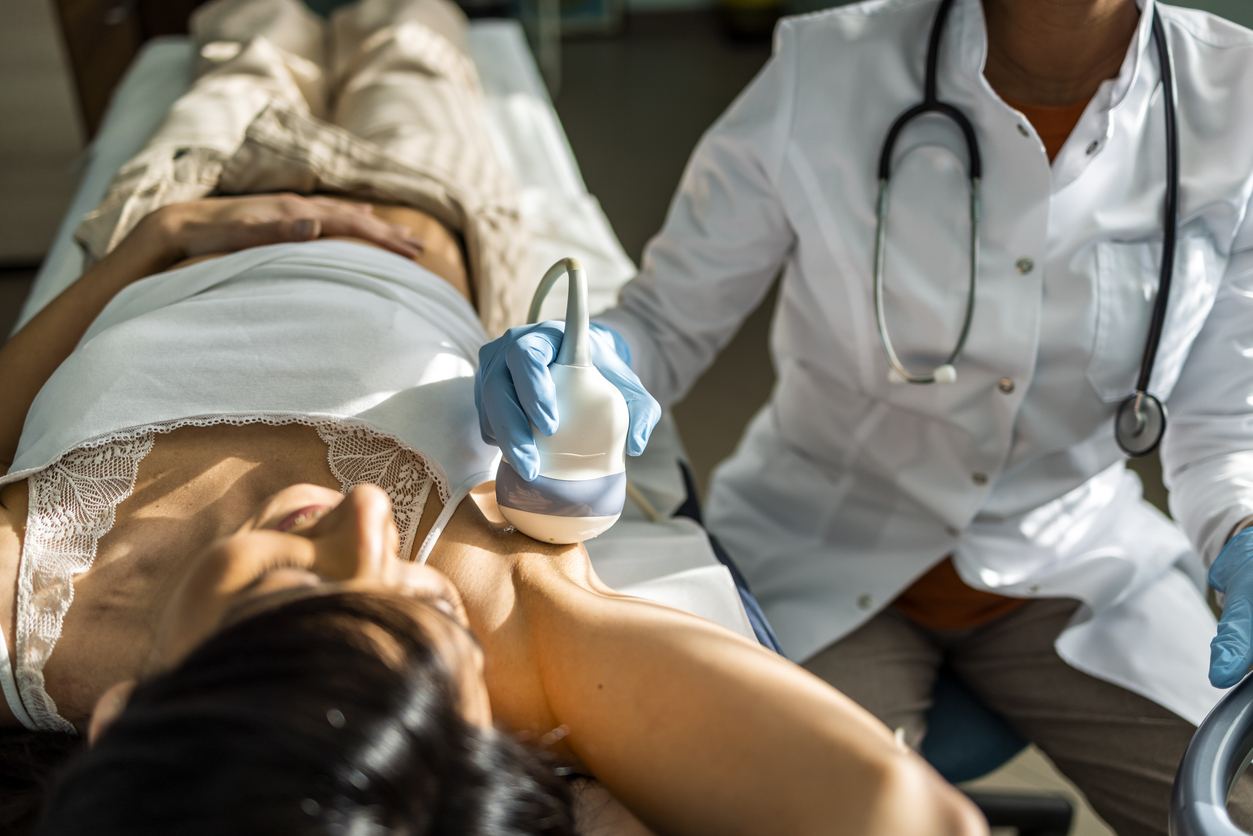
x=846, y=487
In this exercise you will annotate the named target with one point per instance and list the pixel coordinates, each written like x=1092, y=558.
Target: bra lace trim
x=73, y=503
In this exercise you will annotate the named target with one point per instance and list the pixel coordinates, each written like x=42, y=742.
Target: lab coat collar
x=966, y=21
x=1132, y=63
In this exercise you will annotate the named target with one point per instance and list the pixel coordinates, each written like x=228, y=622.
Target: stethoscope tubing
x=880, y=249
x=930, y=104
x=975, y=166
x=1142, y=412
x=1170, y=207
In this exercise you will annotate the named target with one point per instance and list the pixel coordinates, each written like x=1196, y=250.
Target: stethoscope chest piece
x=1139, y=424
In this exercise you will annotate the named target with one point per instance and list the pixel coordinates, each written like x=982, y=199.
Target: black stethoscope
x=1141, y=418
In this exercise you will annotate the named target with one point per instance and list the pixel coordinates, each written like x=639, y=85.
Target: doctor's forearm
x=1211, y=496
x=666, y=373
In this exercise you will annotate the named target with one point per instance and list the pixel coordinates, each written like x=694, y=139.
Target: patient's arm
x=33, y=354
x=164, y=238
x=694, y=728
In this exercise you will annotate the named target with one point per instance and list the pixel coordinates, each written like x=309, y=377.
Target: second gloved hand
x=513, y=390
x=1231, y=651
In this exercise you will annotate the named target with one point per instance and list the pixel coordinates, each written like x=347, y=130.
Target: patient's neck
x=486, y=558
x=477, y=525
x=509, y=583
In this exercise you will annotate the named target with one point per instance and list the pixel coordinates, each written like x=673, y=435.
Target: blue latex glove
x=1231, y=651
x=513, y=389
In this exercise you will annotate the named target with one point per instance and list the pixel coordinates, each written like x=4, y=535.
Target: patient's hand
x=219, y=225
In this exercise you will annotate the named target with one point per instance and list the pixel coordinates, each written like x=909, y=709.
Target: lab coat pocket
x=1127, y=282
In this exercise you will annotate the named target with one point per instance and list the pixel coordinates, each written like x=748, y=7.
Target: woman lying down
x=231, y=444
x=299, y=670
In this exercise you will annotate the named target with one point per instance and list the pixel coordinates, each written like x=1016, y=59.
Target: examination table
x=649, y=553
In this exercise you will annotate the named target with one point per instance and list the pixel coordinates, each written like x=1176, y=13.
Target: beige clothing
x=1121, y=749
x=405, y=100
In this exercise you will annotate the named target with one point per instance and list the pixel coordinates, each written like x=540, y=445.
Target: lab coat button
x=1022, y=129
x=1092, y=146
x=1024, y=265
x=865, y=602
x=1005, y=385
x=979, y=478
x=1035, y=587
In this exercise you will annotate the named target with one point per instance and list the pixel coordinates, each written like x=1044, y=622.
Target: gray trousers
x=1120, y=749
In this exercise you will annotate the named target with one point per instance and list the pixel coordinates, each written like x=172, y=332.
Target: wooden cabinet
x=103, y=36
x=40, y=131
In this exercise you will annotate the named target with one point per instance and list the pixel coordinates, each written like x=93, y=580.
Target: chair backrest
x=102, y=37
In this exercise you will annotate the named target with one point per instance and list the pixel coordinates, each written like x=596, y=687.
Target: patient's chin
x=108, y=708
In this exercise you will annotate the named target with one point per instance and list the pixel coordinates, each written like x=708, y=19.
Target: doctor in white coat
x=989, y=522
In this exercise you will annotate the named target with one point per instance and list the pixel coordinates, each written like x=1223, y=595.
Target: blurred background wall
x=40, y=132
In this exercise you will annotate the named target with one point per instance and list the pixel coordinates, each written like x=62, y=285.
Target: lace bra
x=73, y=504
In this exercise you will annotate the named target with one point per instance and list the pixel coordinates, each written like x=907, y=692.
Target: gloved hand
x=1231, y=651
x=513, y=389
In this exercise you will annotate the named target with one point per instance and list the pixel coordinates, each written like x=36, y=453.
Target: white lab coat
x=846, y=487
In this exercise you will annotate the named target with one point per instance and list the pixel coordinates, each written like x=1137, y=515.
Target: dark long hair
x=28, y=762
x=293, y=722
